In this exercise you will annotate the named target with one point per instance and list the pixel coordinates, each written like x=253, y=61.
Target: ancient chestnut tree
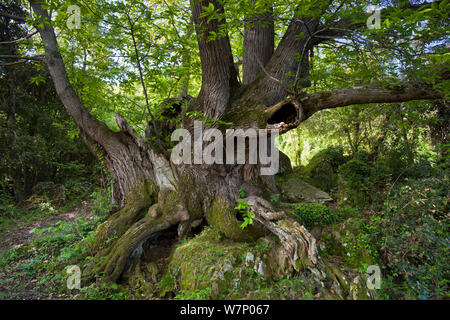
x=153, y=194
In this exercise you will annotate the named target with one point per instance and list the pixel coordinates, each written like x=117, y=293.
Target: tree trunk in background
x=219, y=76
x=440, y=129
x=258, y=45
x=15, y=171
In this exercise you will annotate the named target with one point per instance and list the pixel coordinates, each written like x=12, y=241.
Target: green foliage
x=323, y=166
x=361, y=183
x=200, y=294
x=352, y=181
x=242, y=193
x=294, y=288
x=35, y=129
x=360, y=249
x=444, y=156
x=315, y=214
x=246, y=211
x=414, y=232
x=54, y=248
x=37, y=137
x=12, y=215
x=104, y=291
x=102, y=204
x=274, y=198
x=393, y=172
x=70, y=239
x=407, y=235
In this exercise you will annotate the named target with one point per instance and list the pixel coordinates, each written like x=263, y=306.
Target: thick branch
x=18, y=40
x=13, y=17
x=93, y=128
x=13, y=56
x=21, y=59
x=290, y=112
x=302, y=34
x=365, y=94
x=219, y=76
x=284, y=61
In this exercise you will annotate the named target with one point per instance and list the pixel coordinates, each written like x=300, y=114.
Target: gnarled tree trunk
x=154, y=194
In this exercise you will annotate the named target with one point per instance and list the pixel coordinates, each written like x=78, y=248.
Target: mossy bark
x=122, y=235
x=222, y=216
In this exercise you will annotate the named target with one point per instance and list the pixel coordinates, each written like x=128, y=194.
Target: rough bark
x=219, y=76
x=258, y=45
x=142, y=176
x=342, y=97
x=295, y=42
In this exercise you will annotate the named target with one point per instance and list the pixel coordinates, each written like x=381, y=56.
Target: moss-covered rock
x=212, y=261
x=323, y=166
x=211, y=266
x=294, y=189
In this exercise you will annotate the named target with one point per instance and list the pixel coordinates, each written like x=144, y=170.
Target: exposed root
x=125, y=232
x=108, y=233
x=129, y=242
x=299, y=245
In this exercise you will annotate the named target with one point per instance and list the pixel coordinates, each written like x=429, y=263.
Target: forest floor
x=21, y=235
x=24, y=234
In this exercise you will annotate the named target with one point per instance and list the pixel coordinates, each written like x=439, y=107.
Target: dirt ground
x=14, y=237
x=22, y=235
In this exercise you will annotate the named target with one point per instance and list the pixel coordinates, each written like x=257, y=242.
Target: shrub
x=352, y=182
x=361, y=249
x=362, y=183
x=322, y=168
x=314, y=214
x=397, y=160
x=102, y=204
x=415, y=233
x=362, y=155
x=53, y=192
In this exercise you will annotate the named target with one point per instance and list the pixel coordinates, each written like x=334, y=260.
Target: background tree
x=38, y=134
